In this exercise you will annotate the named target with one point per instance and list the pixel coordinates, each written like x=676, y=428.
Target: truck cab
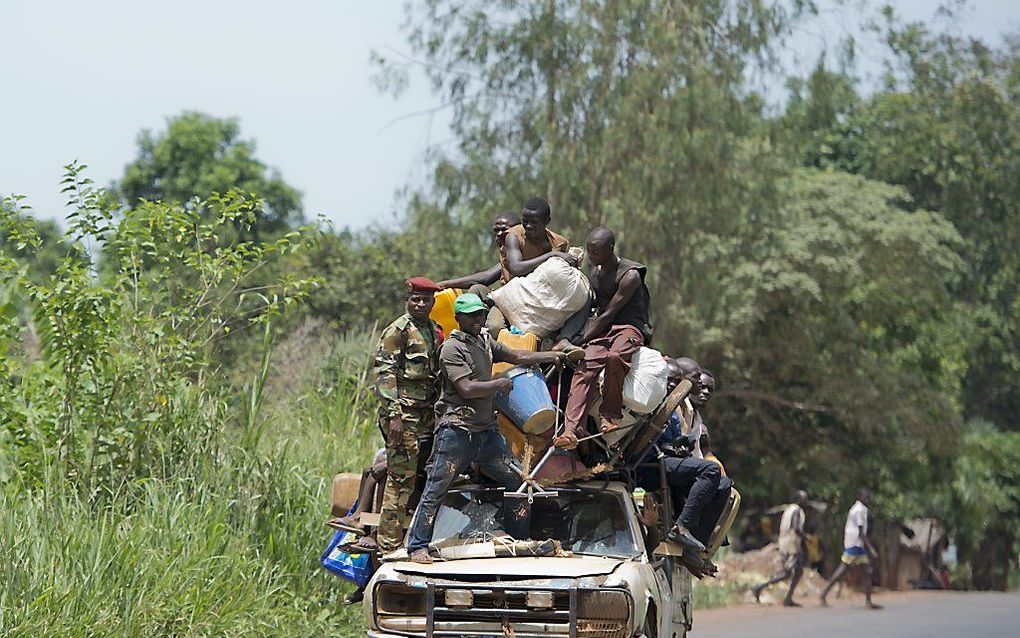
x=586, y=573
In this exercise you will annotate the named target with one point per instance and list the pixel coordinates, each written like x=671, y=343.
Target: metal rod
x=600, y=433
x=556, y=430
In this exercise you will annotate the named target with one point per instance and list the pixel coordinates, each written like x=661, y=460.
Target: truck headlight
x=395, y=598
x=603, y=614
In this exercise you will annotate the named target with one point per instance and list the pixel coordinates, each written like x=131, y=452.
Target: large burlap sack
x=543, y=301
x=644, y=387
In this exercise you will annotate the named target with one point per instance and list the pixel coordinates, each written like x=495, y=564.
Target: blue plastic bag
x=357, y=568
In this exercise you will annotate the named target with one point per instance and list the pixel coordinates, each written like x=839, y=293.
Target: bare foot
x=565, y=441
x=348, y=524
x=562, y=345
x=608, y=426
x=420, y=556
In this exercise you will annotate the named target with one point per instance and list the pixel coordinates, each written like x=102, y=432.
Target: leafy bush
x=108, y=400
x=140, y=494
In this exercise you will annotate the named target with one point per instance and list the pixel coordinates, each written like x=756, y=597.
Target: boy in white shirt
x=856, y=549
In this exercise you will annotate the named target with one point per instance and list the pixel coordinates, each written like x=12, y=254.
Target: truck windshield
x=585, y=522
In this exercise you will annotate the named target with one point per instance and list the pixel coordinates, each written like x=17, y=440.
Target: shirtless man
x=527, y=246
x=531, y=243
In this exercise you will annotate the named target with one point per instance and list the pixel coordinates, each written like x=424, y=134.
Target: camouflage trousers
x=405, y=460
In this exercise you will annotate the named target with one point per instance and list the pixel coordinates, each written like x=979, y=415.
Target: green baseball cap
x=467, y=304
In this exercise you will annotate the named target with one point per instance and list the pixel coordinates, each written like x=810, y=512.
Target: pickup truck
x=588, y=574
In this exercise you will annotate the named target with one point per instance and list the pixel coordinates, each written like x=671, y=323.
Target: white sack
x=543, y=301
x=644, y=387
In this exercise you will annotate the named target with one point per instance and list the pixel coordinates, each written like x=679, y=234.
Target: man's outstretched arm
x=520, y=267
x=485, y=277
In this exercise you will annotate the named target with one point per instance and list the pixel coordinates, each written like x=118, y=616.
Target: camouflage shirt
x=407, y=366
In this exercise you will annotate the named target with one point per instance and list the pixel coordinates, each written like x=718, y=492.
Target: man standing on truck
x=620, y=326
x=407, y=372
x=791, y=548
x=857, y=549
x=465, y=419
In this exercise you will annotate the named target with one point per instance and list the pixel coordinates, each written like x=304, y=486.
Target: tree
x=810, y=295
x=836, y=342
x=199, y=155
x=631, y=114
x=947, y=128
x=984, y=505
x=121, y=350
x=41, y=260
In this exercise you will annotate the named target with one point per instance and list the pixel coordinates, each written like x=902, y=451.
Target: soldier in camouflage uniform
x=407, y=370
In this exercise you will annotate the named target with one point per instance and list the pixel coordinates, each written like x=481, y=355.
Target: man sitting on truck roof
x=500, y=226
x=620, y=326
x=465, y=420
x=531, y=243
x=526, y=246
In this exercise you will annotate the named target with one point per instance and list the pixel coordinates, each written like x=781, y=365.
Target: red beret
x=421, y=285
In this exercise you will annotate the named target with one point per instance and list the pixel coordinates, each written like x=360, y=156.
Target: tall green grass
x=228, y=545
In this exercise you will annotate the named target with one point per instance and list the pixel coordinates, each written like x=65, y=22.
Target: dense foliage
x=140, y=494
x=174, y=392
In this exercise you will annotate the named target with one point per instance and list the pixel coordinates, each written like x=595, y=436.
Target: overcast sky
x=81, y=79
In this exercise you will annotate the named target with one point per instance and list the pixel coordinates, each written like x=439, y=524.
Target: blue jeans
x=455, y=449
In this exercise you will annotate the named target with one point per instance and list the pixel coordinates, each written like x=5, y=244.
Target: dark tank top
x=637, y=311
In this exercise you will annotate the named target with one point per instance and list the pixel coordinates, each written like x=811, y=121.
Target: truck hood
x=523, y=567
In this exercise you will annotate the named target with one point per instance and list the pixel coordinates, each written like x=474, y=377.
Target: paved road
x=905, y=615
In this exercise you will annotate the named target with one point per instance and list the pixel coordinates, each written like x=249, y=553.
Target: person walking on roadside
x=858, y=550
x=791, y=549
x=407, y=374
x=465, y=419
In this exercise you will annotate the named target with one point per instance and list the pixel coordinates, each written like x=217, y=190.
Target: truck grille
x=502, y=611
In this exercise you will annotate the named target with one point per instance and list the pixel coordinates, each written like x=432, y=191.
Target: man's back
x=789, y=526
